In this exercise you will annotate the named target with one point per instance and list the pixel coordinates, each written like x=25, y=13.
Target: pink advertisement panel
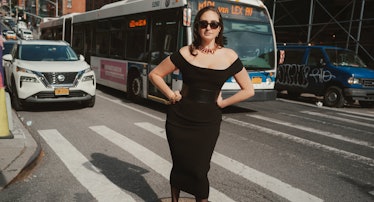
x=114, y=71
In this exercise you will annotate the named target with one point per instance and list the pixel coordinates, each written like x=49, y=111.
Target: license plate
x=61, y=91
x=256, y=80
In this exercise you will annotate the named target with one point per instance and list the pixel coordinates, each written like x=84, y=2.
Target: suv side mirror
x=81, y=58
x=8, y=57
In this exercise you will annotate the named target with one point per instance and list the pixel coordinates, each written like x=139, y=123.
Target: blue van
x=337, y=74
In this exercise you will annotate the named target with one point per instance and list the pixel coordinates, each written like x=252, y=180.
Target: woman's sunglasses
x=213, y=25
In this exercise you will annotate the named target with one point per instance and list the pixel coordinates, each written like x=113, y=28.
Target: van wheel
x=366, y=104
x=334, y=97
x=134, y=86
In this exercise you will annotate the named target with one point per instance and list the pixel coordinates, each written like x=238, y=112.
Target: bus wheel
x=134, y=86
x=334, y=97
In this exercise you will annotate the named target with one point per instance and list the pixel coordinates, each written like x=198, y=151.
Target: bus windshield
x=253, y=42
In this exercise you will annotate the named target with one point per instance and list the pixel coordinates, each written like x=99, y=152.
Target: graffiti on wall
x=298, y=75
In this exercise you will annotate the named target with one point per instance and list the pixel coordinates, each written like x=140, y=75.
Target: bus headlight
x=268, y=81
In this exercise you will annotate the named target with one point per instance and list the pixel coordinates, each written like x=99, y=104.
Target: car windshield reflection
x=47, y=53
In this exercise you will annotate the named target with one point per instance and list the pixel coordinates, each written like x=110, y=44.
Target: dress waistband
x=199, y=95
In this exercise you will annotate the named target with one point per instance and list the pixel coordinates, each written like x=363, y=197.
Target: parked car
x=48, y=71
x=8, y=45
x=9, y=22
x=26, y=34
x=9, y=34
x=337, y=74
x=20, y=25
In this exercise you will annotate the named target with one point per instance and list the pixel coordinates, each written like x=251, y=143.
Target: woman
x=194, y=116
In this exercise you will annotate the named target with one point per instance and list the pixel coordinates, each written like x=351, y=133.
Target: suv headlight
x=21, y=69
x=88, y=77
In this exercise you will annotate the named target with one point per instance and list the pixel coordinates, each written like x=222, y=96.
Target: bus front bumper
x=260, y=95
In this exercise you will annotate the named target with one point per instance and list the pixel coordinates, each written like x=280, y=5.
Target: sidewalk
x=16, y=153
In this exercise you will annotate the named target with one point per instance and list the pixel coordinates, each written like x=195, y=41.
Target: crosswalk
x=104, y=190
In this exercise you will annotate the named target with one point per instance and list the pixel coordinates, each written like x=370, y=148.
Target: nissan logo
x=61, y=78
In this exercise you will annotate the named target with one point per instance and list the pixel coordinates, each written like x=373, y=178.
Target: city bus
x=125, y=40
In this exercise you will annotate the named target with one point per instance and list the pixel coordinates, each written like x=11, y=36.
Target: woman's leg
x=174, y=194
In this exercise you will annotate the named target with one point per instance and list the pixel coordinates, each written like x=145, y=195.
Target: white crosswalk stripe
x=277, y=186
x=314, y=130
x=87, y=174
x=344, y=154
x=338, y=118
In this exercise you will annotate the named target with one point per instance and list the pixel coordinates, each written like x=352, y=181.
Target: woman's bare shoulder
x=185, y=51
x=230, y=53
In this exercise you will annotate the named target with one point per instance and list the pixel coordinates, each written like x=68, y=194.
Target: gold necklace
x=208, y=50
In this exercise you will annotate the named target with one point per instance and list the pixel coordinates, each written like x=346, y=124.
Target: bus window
x=88, y=42
x=78, y=40
x=117, y=36
x=102, y=36
x=163, y=39
x=136, y=38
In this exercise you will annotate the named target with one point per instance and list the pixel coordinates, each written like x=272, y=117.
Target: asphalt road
x=283, y=150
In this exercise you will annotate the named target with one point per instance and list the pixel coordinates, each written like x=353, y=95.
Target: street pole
x=10, y=7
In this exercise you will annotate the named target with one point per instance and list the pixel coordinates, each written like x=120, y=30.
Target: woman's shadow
x=126, y=176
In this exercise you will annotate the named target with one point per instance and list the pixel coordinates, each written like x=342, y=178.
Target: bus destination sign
x=137, y=23
x=226, y=8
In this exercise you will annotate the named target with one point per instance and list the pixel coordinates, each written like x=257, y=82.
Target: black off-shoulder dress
x=193, y=124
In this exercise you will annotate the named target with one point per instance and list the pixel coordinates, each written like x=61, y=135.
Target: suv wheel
x=16, y=102
x=334, y=97
x=90, y=102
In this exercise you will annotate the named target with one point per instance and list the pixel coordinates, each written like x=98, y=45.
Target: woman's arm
x=245, y=92
x=156, y=76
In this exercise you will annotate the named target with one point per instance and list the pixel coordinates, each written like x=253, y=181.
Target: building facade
x=96, y=4
x=343, y=23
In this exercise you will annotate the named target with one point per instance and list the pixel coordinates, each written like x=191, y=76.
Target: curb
x=29, y=150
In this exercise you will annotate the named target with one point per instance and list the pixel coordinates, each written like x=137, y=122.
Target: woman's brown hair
x=196, y=36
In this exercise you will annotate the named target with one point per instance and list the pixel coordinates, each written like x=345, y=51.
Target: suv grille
x=369, y=83
x=66, y=79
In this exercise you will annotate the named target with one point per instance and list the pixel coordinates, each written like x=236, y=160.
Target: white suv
x=26, y=34
x=48, y=71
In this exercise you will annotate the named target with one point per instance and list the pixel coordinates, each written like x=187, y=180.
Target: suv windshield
x=344, y=58
x=35, y=52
